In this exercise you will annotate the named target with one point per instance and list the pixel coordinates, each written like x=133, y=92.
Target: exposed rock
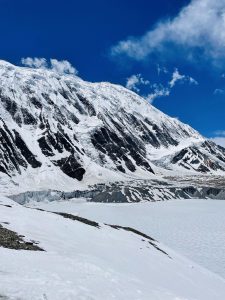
x=10, y=239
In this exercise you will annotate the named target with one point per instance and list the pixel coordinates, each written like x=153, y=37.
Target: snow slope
x=193, y=227
x=60, y=132
x=84, y=262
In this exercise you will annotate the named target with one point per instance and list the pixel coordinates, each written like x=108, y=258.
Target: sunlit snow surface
x=83, y=262
x=194, y=228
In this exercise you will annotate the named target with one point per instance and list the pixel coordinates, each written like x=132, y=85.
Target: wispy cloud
x=156, y=90
x=198, y=28
x=219, y=92
x=177, y=77
x=34, y=62
x=61, y=67
x=161, y=70
x=134, y=81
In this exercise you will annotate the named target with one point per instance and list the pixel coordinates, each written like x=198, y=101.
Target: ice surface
x=194, y=228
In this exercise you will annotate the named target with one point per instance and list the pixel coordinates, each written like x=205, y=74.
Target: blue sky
x=172, y=52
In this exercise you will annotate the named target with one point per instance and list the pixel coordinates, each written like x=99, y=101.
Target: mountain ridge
x=58, y=131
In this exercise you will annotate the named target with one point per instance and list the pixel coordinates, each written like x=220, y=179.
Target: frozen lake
x=194, y=228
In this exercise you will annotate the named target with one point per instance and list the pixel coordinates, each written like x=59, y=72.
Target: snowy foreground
x=86, y=262
x=194, y=228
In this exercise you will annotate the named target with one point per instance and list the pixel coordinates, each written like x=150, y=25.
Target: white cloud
x=163, y=91
x=219, y=92
x=134, y=81
x=38, y=63
x=61, y=67
x=161, y=70
x=198, y=26
x=158, y=91
x=192, y=80
x=177, y=77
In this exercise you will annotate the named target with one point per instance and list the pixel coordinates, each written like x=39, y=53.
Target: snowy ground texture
x=195, y=228
x=84, y=262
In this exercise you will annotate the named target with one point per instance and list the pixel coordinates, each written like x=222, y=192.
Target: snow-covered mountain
x=60, y=132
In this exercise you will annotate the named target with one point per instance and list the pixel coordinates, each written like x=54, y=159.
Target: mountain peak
x=77, y=131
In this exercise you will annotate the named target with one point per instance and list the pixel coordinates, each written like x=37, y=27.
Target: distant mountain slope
x=58, y=130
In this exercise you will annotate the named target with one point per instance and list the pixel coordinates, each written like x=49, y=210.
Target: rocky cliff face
x=58, y=130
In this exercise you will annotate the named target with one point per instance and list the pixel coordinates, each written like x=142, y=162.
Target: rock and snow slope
x=60, y=132
x=84, y=260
